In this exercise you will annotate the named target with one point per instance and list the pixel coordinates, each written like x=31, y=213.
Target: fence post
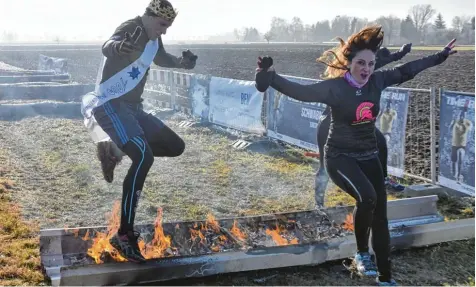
x=173, y=90
x=433, y=133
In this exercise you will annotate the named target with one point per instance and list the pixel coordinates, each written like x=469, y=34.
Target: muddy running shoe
x=393, y=184
x=365, y=265
x=108, y=156
x=386, y=283
x=127, y=246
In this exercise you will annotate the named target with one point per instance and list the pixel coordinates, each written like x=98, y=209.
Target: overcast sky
x=96, y=19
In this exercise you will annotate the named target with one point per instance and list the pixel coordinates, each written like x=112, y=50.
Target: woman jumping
x=383, y=57
x=353, y=90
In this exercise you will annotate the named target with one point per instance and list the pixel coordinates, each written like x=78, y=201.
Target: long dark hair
x=338, y=58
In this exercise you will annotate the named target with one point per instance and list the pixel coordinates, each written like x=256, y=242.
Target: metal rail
x=412, y=221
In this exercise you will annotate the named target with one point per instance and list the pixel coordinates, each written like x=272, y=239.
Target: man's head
x=158, y=17
x=388, y=106
x=462, y=115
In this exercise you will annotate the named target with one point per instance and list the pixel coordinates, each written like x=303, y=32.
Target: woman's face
x=362, y=66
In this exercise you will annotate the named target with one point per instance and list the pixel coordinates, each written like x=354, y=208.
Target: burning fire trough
x=83, y=256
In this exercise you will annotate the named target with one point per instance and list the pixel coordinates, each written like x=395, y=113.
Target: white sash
x=118, y=85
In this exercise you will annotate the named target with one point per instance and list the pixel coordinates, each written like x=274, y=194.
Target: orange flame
x=237, y=232
x=277, y=237
x=349, y=222
x=159, y=244
x=212, y=223
x=101, y=241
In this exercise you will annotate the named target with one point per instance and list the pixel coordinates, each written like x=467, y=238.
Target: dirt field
x=239, y=61
x=58, y=181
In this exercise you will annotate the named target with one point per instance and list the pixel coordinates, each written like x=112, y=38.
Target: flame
x=158, y=247
x=237, y=232
x=212, y=223
x=101, y=241
x=160, y=243
x=277, y=236
x=198, y=233
x=349, y=222
x=86, y=236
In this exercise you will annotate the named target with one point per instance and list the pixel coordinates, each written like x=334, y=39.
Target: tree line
x=422, y=25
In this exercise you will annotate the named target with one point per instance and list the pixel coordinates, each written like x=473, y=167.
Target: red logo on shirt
x=364, y=114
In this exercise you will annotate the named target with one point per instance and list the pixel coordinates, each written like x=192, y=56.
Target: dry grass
x=19, y=249
x=456, y=208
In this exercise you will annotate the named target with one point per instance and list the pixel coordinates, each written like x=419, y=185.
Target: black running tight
x=364, y=181
x=142, y=154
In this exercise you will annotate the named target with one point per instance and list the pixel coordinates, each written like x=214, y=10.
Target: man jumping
x=116, y=107
x=460, y=129
x=387, y=117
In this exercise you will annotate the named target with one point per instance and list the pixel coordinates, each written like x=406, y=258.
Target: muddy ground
x=239, y=61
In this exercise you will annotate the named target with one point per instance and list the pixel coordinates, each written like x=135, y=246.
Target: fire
x=198, y=233
x=101, y=241
x=208, y=234
x=160, y=246
x=277, y=236
x=237, y=232
x=160, y=243
x=349, y=222
x=212, y=223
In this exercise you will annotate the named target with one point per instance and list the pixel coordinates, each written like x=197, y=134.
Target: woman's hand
x=448, y=50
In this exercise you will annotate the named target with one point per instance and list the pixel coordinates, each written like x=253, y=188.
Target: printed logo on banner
x=293, y=121
x=392, y=121
x=245, y=98
x=456, y=146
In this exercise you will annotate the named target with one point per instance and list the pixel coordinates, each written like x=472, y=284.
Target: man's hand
x=188, y=60
x=405, y=49
x=129, y=44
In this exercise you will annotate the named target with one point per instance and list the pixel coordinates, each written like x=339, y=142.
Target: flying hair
x=338, y=58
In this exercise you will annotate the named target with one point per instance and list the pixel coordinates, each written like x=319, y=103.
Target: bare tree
x=297, y=29
x=459, y=22
x=268, y=36
x=391, y=27
x=421, y=15
x=9, y=36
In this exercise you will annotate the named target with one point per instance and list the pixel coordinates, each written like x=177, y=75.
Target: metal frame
x=60, y=249
x=254, y=259
x=440, y=92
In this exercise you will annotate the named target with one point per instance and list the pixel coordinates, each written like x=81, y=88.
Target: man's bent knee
x=139, y=152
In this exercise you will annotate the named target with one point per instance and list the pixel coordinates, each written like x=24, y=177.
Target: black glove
x=263, y=77
x=188, y=60
x=265, y=63
x=129, y=43
x=405, y=49
x=447, y=51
